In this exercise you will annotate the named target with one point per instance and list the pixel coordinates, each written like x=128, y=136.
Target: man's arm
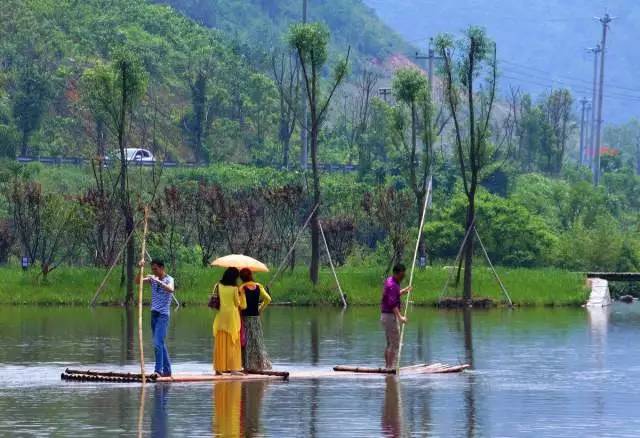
x=406, y=290
x=399, y=316
x=141, y=264
x=168, y=287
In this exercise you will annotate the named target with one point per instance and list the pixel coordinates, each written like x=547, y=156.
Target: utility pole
x=587, y=132
x=384, y=92
x=605, y=20
x=594, y=105
x=304, y=144
x=431, y=56
x=583, y=102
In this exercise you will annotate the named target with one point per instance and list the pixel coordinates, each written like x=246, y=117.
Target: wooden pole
x=295, y=242
x=140, y=294
x=504, y=289
x=413, y=267
x=104, y=280
x=333, y=269
x=464, y=241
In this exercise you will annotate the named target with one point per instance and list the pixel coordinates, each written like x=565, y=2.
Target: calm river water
x=537, y=372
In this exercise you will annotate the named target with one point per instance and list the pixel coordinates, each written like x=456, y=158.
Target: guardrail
x=79, y=161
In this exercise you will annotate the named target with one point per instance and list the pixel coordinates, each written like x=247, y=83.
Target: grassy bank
x=76, y=286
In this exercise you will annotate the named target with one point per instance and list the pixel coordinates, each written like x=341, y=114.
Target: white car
x=139, y=155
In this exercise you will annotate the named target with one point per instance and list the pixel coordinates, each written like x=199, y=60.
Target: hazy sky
x=541, y=43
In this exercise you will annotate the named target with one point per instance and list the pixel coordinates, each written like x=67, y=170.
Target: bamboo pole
x=413, y=267
x=333, y=269
x=484, y=250
x=140, y=295
x=104, y=280
x=295, y=242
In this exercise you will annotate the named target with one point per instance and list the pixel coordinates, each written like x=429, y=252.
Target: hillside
x=46, y=46
x=209, y=95
x=540, y=45
x=261, y=23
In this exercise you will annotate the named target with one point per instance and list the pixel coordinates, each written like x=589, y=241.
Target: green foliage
x=113, y=91
x=512, y=235
x=408, y=84
x=544, y=129
x=263, y=22
x=32, y=91
x=311, y=41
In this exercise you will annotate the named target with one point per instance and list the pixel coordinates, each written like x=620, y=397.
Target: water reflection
x=252, y=396
x=237, y=408
x=598, y=326
x=392, y=421
x=159, y=415
x=537, y=372
x=315, y=341
x=127, y=338
x=469, y=393
x=227, y=399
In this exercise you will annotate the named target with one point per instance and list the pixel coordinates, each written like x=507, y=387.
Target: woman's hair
x=230, y=277
x=246, y=275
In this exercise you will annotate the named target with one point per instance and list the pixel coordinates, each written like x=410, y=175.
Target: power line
x=548, y=74
x=550, y=84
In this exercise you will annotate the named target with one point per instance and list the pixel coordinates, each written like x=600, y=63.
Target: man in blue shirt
x=162, y=288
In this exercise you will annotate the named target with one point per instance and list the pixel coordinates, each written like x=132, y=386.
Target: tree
x=557, y=108
x=360, y=117
x=48, y=226
x=383, y=206
x=626, y=138
x=285, y=74
x=115, y=91
x=286, y=212
x=204, y=218
x=468, y=61
x=310, y=41
x=31, y=96
x=411, y=88
x=199, y=74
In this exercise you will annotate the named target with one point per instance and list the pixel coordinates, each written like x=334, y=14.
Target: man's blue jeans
x=159, y=326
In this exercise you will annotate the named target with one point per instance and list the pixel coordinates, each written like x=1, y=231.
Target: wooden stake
x=464, y=241
x=413, y=267
x=484, y=250
x=140, y=295
x=324, y=239
x=295, y=242
x=104, y=280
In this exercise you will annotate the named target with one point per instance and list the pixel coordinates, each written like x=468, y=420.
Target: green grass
x=76, y=286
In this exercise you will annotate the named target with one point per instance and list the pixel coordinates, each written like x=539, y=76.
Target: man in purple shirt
x=391, y=316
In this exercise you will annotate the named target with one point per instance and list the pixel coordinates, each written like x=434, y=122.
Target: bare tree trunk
x=125, y=202
x=314, y=267
x=468, y=253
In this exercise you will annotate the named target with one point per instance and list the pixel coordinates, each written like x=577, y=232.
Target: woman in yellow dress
x=226, y=327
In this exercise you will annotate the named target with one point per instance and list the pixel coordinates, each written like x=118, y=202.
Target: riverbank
x=76, y=286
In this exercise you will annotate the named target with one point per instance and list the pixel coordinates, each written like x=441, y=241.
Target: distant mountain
x=263, y=23
x=541, y=43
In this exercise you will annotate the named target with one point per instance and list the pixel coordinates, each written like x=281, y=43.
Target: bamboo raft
x=436, y=368
x=116, y=377
x=338, y=371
